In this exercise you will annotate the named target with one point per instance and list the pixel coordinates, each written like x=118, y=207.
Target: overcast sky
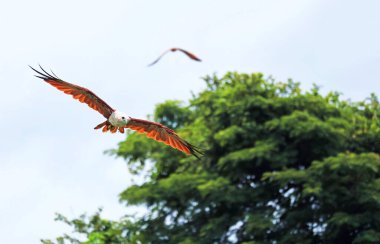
x=51, y=159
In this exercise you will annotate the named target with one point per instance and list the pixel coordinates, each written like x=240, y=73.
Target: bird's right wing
x=82, y=94
x=158, y=59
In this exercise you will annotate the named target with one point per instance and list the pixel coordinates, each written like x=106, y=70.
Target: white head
x=118, y=118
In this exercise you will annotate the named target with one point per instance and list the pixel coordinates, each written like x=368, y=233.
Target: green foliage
x=97, y=230
x=281, y=166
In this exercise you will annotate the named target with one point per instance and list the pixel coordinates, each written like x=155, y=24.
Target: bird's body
x=117, y=120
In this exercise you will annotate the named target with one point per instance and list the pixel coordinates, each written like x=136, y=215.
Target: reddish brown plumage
x=82, y=94
x=113, y=130
x=189, y=54
x=163, y=134
x=101, y=125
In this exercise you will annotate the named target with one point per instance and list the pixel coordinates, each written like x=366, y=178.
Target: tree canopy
x=281, y=166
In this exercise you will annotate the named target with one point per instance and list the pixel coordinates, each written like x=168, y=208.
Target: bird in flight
x=116, y=120
x=189, y=54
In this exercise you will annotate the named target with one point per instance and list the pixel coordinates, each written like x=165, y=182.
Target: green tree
x=281, y=165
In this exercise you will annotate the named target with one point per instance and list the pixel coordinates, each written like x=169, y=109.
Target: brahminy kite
x=189, y=54
x=116, y=120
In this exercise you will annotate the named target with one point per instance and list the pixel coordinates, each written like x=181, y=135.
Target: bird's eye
x=123, y=117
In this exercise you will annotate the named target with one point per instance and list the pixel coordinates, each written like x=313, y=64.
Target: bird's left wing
x=189, y=54
x=161, y=133
x=82, y=94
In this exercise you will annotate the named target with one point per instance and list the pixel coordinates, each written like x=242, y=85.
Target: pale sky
x=51, y=159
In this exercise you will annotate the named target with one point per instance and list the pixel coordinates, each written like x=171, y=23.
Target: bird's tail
x=108, y=127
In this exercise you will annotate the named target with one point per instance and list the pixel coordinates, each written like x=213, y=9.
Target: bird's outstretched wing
x=163, y=134
x=189, y=54
x=82, y=94
x=158, y=59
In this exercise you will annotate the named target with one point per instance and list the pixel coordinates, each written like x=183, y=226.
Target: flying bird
x=116, y=120
x=189, y=54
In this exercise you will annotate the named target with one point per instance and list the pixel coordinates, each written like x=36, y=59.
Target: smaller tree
x=98, y=230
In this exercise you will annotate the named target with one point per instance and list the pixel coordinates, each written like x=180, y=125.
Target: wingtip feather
x=44, y=74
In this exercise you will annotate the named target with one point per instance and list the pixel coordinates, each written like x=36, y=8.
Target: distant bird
x=189, y=54
x=116, y=120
